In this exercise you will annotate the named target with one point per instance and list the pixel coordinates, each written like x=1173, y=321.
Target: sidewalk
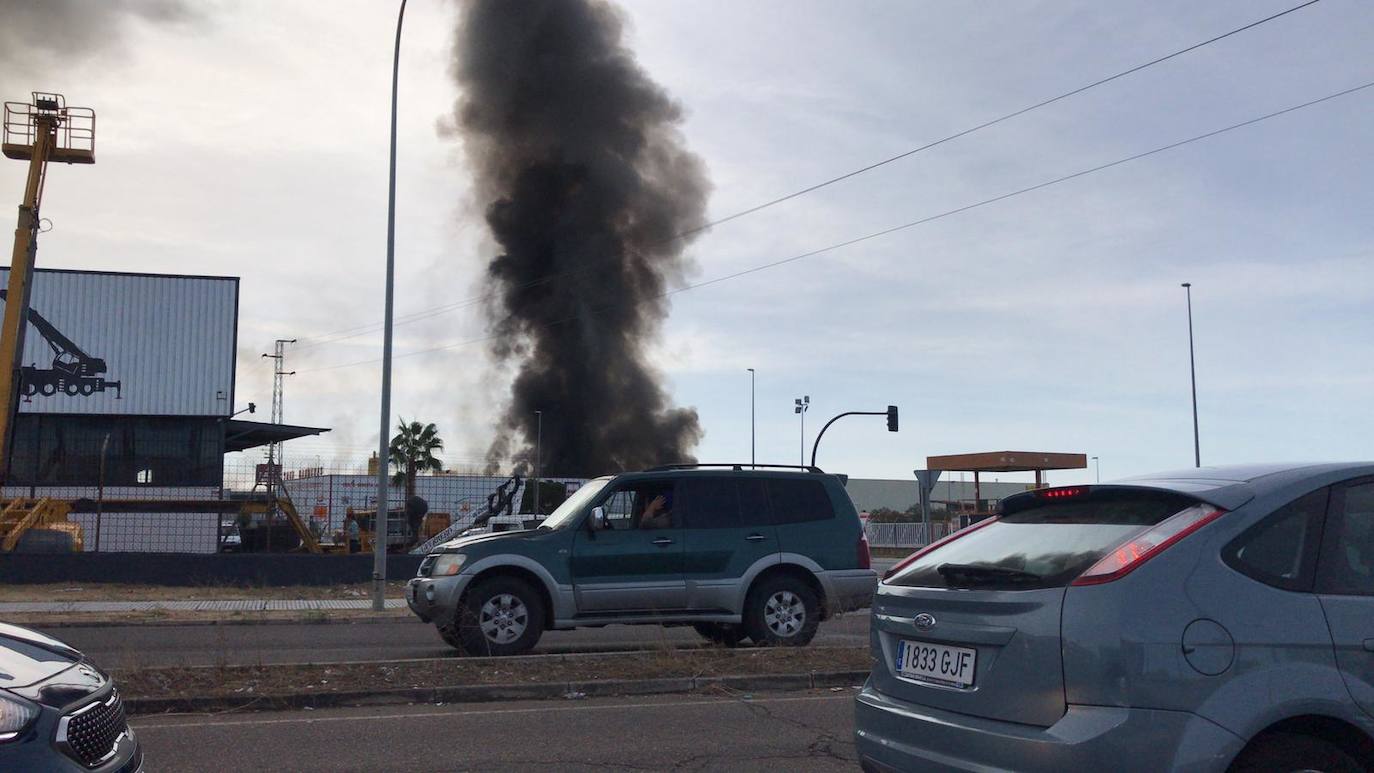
x=229, y=605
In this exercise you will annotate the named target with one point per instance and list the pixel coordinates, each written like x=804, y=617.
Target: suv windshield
x=1045, y=545
x=573, y=505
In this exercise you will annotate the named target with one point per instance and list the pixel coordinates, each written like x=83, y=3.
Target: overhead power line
x=908, y=225
x=356, y=331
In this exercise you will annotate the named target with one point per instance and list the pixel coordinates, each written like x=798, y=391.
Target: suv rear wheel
x=1283, y=752
x=500, y=616
x=781, y=611
x=725, y=634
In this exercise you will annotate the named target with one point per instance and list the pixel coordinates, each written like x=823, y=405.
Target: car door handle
x=1369, y=645
x=661, y=541
x=756, y=538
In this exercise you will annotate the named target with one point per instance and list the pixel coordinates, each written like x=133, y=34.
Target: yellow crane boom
x=40, y=131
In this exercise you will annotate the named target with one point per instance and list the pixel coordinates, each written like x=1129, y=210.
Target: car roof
x=761, y=470
x=1231, y=486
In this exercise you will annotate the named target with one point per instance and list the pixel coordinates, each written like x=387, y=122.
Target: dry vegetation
x=266, y=681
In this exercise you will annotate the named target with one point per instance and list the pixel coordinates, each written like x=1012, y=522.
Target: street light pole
x=753, y=459
x=800, y=406
x=1192, y=373
x=379, y=523
x=538, y=455
x=1098, y=466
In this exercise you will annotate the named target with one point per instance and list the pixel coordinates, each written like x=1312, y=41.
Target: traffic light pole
x=890, y=413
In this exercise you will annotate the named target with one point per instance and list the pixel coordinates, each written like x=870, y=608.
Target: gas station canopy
x=1007, y=461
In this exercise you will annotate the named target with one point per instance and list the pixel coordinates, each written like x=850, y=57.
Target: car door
x=729, y=528
x=626, y=568
x=1345, y=585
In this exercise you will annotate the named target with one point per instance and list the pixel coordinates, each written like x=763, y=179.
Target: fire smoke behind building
x=586, y=184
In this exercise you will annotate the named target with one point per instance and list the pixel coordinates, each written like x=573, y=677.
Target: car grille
x=92, y=731
x=427, y=565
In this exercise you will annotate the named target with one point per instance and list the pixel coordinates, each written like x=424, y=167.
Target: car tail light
x=905, y=562
x=1063, y=492
x=865, y=555
x=1125, y=558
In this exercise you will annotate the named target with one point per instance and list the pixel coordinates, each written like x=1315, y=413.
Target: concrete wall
x=253, y=569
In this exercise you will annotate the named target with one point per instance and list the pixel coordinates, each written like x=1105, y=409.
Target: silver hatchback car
x=1209, y=620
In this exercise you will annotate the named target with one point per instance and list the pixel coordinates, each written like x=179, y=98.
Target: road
x=788, y=731
x=136, y=646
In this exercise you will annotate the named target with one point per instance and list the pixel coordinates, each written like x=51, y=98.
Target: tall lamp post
x=538, y=455
x=1097, y=465
x=379, y=524
x=800, y=407
x=1192, y=374
x=753, y=459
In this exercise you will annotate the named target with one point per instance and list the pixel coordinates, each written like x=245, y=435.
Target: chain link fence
x=247, y=505
x=905, y=535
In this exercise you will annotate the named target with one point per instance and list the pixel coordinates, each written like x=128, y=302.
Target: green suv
x=738, y=552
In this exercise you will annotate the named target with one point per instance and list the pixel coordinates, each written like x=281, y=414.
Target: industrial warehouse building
x=127, y=393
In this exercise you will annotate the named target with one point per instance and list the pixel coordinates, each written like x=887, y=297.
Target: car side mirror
x=599, y=521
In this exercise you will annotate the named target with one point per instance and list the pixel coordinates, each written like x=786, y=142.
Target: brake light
x=1127, y=557
x=865, y=555
x=905, y=562
x=1065, y=492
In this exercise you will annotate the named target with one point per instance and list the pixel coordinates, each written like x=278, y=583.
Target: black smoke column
x=586, y=183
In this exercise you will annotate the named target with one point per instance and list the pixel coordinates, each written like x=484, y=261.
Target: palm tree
x=412, y=452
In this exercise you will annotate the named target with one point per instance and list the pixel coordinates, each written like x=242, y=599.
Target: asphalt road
x=809, y=731
x=136, y=646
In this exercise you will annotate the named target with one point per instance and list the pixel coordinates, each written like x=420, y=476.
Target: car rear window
x=799, y=501
x=1045, y=545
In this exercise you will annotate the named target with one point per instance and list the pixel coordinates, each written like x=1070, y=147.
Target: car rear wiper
x=983, y=573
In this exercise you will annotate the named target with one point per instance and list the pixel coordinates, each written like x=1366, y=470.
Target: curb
x=322, y=620
x=491, y=693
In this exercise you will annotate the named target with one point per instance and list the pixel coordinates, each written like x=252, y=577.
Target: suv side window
x=753, y=503
x=1282, y=549
x=1348, y=556
x=627, y=505
x=709, y=503
x=799, y=501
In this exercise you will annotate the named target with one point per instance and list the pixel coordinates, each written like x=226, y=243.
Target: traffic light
x=891, y=418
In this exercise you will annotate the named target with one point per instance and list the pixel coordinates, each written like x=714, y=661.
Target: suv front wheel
x=781, y=611
x=500, y=616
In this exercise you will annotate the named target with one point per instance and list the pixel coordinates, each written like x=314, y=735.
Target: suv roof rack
x=735, y=466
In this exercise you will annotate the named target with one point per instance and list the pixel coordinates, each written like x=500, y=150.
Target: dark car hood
x=28, y=657
x=465, y=542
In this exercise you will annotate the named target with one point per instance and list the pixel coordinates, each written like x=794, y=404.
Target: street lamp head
x=1186, y=284
x=751, y=370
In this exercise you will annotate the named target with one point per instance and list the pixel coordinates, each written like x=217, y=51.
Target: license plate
x=936, y=662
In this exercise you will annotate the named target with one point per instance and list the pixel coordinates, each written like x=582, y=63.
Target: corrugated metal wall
x=167, y=340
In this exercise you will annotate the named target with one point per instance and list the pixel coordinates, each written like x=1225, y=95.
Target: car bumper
x=893, y=735
x=435, y=599
x=848, y=590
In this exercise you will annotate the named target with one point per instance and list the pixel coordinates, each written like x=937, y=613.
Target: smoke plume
x=586, y=183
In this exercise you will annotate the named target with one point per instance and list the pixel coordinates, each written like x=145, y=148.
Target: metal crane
x=73, y=371
x=40, y=131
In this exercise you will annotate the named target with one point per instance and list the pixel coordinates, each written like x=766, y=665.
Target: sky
x=249, y=139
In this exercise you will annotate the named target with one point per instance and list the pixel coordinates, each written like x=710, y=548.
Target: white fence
x=903, y=535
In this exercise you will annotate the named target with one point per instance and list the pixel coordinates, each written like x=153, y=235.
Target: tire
x=724, y=634
x=449, y=634
x=781, y=611
x=44, y=541
x=500, y=616
x=1290, y=752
